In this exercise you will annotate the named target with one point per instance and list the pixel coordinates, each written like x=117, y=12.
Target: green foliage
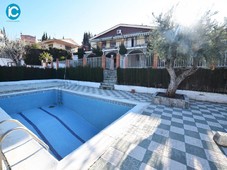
x=62, y=58
x=122, y=49
x=36, y=46
x=86, y=43
x=45, y=37
x=147, y=77
x=25, y=73
x=32, y=54
x=85, y=74
x=97, y=51
x=58, y=53
x=173, y=41
x=46, y=57
x=14, y=50
x=80, y=53
x=203, y=80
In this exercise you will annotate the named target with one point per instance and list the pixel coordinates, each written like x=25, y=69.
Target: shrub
x=203, y=80
x=25, y=73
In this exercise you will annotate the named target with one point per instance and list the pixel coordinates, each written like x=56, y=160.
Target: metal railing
x=76, y=63
x=94, y=62
x=24, y=129
x=137, y=61
x=188, y=63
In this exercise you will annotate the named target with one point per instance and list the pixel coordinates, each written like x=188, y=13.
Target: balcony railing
x=127, y=46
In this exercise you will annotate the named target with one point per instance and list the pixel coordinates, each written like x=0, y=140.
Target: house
x=135, y=39
x=28, y=39
x=65, y=44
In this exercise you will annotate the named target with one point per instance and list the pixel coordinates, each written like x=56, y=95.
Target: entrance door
x=111, y=61
x=132, y=42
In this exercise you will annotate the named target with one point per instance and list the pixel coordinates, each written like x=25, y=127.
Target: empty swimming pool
x=62, y=119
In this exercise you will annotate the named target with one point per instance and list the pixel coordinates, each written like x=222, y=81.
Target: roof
x=68, y=42
x=27, y=36
x=127, y=29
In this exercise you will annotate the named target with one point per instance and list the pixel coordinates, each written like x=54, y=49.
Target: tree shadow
x=148, y=143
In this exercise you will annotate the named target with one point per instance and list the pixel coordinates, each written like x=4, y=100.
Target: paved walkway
x=164, y=137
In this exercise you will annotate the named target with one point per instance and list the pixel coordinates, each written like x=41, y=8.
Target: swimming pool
x=62, y=119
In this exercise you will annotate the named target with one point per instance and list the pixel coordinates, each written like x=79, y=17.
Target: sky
x=71, y=18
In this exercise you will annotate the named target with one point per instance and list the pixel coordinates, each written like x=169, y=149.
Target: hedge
x=25, y=73
x=203, y=80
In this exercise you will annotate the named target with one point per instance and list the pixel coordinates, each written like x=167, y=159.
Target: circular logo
x=13, y=11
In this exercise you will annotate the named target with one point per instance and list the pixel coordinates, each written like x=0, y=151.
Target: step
x=110, y=81
x=107, y=86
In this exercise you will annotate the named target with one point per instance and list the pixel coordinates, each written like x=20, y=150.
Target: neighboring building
x=65, y=44
x=28, y=39
x=134, y=38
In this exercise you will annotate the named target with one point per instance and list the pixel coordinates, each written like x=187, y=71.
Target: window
x=104, y=44
x=112, y=44
x=132, y=42
x=119, y=32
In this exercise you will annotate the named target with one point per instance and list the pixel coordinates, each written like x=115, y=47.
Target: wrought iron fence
x=94, y=62
x=139, y=61
x=76, y=63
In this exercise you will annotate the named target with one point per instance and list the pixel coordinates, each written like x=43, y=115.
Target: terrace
x=155, y=137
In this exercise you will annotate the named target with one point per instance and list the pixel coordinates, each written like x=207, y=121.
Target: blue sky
x=71, y=18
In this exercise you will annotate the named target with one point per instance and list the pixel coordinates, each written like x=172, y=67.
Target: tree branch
x=185, y=74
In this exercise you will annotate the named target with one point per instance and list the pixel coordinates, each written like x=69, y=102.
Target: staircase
x=110, y=79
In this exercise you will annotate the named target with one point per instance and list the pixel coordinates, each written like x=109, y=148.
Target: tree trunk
x=176, y=80
x=172, y=88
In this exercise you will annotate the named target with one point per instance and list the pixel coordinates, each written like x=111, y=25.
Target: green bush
x=25, y=73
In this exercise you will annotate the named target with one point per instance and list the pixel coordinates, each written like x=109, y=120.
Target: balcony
x=114, y=46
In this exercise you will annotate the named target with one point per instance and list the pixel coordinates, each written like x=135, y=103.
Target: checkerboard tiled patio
x=163, y=137
x=170, y=138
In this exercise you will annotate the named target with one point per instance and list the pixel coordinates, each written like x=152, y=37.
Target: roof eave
x=122, y=25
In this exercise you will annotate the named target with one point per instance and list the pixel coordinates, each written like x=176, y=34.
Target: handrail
x=23, y=128
x=12, y=120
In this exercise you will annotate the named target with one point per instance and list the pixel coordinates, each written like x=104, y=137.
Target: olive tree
x=14, y=50
x=173, y=42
